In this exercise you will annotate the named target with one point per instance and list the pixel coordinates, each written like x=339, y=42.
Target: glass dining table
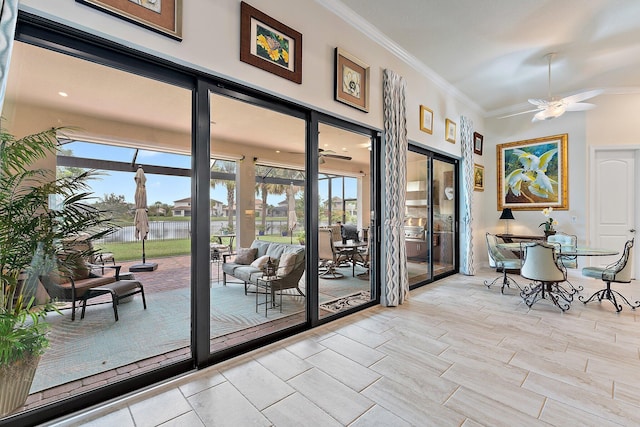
x=517, y=248
x=530, y=293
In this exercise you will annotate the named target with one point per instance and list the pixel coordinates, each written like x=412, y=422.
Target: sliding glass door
x=257, y=222
x=431, y=213
x=344, y=217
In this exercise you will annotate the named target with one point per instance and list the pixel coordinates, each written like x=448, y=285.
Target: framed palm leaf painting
x=533, y=174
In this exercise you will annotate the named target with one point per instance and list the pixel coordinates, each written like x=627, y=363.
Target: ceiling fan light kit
x=552, y=108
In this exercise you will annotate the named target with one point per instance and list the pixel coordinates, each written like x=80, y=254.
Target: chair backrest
x=540, y=263
x=620, y=271
x=325, y=244
x=496, y=255
x=350, y=232
x=565, y=242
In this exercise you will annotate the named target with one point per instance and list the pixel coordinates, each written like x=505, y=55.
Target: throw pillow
x=246, y=256
x=287, y=264
x=260, y=262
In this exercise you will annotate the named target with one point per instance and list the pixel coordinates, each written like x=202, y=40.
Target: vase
x=548, y=233
x=15, y=382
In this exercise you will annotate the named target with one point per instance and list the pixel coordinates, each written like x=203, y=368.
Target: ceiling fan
x=330, y=154
x=553, y=107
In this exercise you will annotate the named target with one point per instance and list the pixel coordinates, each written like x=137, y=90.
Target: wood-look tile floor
x=455, y=354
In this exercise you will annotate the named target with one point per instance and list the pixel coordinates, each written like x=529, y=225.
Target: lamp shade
x=506, y=214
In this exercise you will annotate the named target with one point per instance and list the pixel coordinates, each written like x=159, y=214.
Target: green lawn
x=153, y=249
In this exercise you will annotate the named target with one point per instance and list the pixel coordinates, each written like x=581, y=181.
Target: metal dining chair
x=618, y=272
x=502, y=262
x=563, y=243
x=541, y=267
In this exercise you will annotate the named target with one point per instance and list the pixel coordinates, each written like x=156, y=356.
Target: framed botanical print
x=533, y=173
x=450, y=131
x=269, y=44
x=164, y=17
x=478, y=177
x=426, y=119
x=351, y=81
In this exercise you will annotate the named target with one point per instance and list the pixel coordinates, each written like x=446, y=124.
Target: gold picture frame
x=269, y=44
x=163, y=17
x=533, y=173
x=450, y=130
x=426, y=119
x=351, y=80
x=478, y=177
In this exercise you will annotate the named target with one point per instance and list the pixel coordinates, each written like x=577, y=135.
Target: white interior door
x=614, y=204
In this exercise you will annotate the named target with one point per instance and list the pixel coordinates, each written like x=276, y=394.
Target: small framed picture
x=426, y=119
x=164, y=17
x=351, y=81
x=477, y=143
x=269, y=44
x=450, y=130
x=478, y=177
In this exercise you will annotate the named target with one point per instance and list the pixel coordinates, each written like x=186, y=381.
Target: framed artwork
x=477, y=143
x=164, y=17
x=269, y=44
x=426, y=119
x=533, y=174
x=478, y=177
x=450, y=130
x=351, y=81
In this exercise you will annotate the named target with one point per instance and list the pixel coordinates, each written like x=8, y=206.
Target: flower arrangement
x=550, y=222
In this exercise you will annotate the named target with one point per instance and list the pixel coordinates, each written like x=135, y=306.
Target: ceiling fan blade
x=581, y=96
x=580, y=106
x=336, y=156
x=517, y=114
x=542, y=103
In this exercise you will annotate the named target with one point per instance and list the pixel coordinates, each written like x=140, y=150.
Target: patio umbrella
x=141, y=220
x=293, y=218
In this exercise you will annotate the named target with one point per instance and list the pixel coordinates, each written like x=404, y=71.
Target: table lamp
x=507, y=215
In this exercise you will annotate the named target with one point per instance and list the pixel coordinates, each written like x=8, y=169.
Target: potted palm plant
x=37, y=213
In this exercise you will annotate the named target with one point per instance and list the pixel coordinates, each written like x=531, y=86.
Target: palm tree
x=264, y=189
x=226, y=167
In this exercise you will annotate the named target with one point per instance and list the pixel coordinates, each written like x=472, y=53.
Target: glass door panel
x=257, y=222
x=417, y=218
x=113, y=132
x=444, y=188
x=344, y=211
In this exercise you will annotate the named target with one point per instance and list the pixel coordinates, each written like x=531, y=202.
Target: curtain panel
x=395, y=286
x=8, y=19
x=467, y=183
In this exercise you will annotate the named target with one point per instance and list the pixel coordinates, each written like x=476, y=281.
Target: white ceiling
x=493, y=51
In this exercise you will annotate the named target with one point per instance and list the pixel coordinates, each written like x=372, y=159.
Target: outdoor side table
x=266, y=283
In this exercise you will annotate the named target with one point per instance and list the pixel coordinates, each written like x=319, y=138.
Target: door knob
x=633, y=230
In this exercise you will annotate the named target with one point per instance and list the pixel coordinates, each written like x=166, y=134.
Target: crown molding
x=365, y=27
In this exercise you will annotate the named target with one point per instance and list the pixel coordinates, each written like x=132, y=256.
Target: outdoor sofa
x=247, y=265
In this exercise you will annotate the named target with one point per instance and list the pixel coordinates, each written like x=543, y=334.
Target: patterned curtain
x=8, y=18
x=395, y=287
x=466, y=238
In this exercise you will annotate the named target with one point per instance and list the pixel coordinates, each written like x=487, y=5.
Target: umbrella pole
x=144, y=258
